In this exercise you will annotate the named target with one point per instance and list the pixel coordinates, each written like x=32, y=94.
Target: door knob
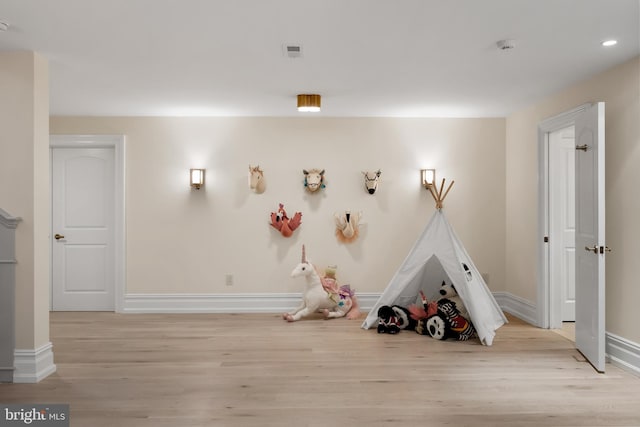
x=594, y=249
x=58, y=236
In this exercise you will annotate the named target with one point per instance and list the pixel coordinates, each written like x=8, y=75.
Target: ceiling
x=405, y=58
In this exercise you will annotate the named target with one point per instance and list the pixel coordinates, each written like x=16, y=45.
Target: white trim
x=222, y=303
x=619, y=351
x=519, y=307
x=544, y=317
x=117, y=142
x=32, y=366
x=8, y=220
x=623, y=353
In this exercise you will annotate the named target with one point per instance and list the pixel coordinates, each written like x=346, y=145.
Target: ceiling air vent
x=293, y=50
x=505, y=44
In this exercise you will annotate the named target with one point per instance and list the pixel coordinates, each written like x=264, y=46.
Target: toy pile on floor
x=446, y=317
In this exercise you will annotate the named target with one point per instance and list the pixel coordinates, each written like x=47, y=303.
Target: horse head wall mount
x=313, y=179
x=371, y=179
x=256, y=179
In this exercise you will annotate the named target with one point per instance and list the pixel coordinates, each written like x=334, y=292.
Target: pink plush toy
x=281, y=222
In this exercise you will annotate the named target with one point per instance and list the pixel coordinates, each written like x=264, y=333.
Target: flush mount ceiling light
x=609, y=43
x=309, y=103
x=4, y=26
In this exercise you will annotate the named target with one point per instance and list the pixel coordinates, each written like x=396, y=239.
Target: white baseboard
x=222, y=303
x=519, y=307
x=623, y=353
x=32, y=366
x=619, y=351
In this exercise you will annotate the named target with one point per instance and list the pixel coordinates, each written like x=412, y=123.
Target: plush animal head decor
x=256, y=179
x=371, y=180
x=347, y=226
x=313, y=179
x=285, y=225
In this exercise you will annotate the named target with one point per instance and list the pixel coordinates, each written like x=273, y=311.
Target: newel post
x=8, y=226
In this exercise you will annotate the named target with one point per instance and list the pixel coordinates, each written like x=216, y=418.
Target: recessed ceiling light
x=608, y=43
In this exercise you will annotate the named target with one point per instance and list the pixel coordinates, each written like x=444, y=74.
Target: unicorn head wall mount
x=256, y=179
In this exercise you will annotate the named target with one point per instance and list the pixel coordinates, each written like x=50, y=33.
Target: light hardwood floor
x=257, y=370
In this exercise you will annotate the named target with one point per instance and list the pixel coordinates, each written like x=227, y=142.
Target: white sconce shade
x=196, y=178
x=428, y=177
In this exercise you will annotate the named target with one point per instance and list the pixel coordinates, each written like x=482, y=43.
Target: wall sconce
x=197, y=178
x=428, y=177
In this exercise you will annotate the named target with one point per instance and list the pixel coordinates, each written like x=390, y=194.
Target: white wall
x=24, y=186
x=184, y=241
x=619, y=88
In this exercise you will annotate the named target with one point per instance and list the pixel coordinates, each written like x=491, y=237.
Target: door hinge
x=546, y=239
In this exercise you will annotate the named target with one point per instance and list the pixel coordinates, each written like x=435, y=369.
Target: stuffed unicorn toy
x=323, y=296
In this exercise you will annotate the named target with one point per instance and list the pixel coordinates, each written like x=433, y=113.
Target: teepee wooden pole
x=438, y=194
x=440, y=198
x=446, y=192
x=433, y=193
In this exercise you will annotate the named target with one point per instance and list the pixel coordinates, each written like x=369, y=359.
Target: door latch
x=594, y=249
x=604, y=249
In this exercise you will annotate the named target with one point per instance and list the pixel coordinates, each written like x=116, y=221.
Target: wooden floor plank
x=255, y=369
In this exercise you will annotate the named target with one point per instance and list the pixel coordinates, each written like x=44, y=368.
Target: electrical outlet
x=228, y=279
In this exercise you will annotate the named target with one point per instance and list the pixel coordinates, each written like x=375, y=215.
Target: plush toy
x=281, y=222
x=256, y=179
x=371, y=179
x=322, y=294
x=313, y=179
x=392, y=319
x=442, y=319
x=347, y=226
x=449, y=291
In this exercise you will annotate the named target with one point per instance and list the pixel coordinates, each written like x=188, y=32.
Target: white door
x=83, y=257
x=590, y=237
x=562, y=265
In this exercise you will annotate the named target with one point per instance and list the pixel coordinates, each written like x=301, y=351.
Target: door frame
x=117, y=142
x=549, y=314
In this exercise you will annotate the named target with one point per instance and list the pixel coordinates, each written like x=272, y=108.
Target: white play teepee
x=439, y=255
